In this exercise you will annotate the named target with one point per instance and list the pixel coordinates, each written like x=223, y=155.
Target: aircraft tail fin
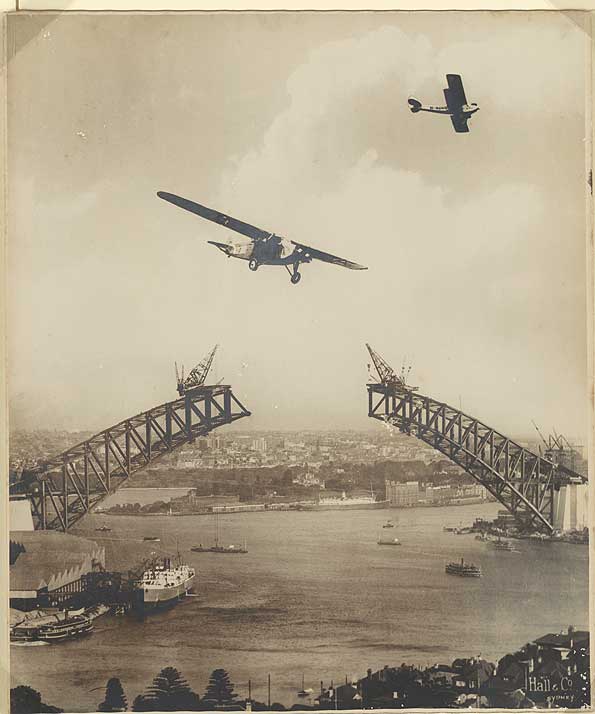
x=414, y=104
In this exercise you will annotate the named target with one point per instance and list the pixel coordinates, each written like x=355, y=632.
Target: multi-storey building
x=402, y=494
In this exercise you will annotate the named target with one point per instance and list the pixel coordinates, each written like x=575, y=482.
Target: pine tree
x=115, y=699
x=168, y=692
x=220, y=689
x=140, y=704
x=25, y=700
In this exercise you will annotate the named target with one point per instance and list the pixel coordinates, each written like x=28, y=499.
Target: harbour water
x=315, y=595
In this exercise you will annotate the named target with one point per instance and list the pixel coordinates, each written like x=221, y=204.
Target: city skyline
x=475, y=243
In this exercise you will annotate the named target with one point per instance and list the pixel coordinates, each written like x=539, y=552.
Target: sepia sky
x=297, y=123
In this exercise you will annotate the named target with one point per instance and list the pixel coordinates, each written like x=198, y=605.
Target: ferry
x=163, y=583
x=389, y=541
x=465, y=570
x=503, y=545
x=67, y=629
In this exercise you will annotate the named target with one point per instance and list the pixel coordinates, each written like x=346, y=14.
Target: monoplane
x=456, y=104
x=264, y=248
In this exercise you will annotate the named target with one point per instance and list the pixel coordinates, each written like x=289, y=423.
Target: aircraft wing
x=460, y=123
x=326, y=257
x=455, y=94
x=226, y=221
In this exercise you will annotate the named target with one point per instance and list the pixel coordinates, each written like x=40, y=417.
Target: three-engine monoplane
x=456, y=104
x=264, y=248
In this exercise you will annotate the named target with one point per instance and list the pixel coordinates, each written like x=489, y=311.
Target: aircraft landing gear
x=295, y=275
x=253, y=265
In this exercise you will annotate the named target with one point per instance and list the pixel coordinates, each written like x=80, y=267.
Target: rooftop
x=51, y=558
x=566, y=640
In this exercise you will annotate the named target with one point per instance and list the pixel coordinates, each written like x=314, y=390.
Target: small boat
x=389, y=541
x=483, y=537
x=449, y=529
x=503, y=545
x=389, y=524
x=152, y=538
x=103, y=529
x=304, y=692
x=462, y=569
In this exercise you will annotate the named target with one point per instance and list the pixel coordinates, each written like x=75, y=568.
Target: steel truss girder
x=68, y=486
x=522, y=481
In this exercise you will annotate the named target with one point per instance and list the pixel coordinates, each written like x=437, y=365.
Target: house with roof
x=551, y=671
x=559, y=645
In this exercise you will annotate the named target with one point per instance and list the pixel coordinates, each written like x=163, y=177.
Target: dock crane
x=196, y=378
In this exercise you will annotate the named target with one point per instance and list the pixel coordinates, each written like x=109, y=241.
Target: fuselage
x=269, y=251
x=466, y=110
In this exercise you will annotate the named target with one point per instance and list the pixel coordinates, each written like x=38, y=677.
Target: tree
x=25, y=700
x=168, y=692
x=220, y=689
x=115, y=699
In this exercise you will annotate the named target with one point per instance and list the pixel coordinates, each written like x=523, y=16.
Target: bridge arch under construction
x=541, y=494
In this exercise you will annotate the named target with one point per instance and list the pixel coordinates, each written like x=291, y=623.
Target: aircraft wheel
x=253, y=265
x=296, y=277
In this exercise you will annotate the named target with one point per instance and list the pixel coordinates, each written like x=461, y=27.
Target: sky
x=297, y=123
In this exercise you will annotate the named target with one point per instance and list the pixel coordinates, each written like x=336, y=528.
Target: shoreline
x=294, y=507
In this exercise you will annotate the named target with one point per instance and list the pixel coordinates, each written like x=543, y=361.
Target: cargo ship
x=464, y=570
x=232, y=548
x=163, y=584
x=344, y=502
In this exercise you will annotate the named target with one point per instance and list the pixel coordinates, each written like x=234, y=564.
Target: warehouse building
x=46, y=567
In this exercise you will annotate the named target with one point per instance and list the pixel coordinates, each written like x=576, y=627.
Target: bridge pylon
x=524, y=482
x=65, y=488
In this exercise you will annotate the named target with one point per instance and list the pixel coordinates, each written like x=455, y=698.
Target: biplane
x=456, y=104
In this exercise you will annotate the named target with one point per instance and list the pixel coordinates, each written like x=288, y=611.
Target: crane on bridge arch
x=523, y=482
x=63, y=489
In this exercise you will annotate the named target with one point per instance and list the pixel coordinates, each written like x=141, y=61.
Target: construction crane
x=198, y=374
x=546, y=444
x=555, y=450
x=387, y=374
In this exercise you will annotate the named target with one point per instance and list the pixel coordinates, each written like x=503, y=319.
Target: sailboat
x=217, y=548
x=304, y=692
